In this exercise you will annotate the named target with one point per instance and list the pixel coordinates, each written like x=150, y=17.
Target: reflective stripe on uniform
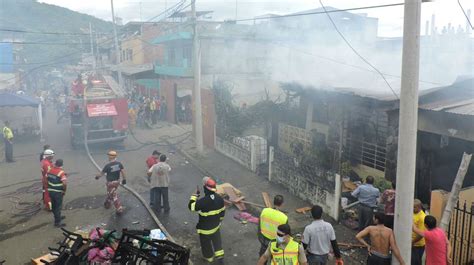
x=53, y=190
x=209, y=259
x=208, y=232
x=215, y=212
x=193, y=204
x=219, y=253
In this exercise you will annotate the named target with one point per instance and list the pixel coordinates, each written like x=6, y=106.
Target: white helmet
x=48, y=153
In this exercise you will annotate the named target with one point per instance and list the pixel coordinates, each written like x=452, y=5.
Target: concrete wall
x=317, y=190
x=305, y=180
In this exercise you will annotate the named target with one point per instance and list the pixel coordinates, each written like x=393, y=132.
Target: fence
x=288, y=134
x=365, y=153
x=461, y=234
x=249, y=151
x=305, y=180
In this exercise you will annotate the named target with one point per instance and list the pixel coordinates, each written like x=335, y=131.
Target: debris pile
x=101, y=246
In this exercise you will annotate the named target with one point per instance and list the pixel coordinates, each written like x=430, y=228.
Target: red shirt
x=151, y=161
x=46, y=165
x=388, y=198
x=436, y=247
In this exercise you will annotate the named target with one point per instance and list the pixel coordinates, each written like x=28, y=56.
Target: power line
x=46, y=32
x=465, y=14
x=321, y=12
x=45, y=43
x=355, y=51
x=344, y=63
x=54, y=61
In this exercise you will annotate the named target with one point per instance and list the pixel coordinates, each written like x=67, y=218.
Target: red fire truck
x=99, y=107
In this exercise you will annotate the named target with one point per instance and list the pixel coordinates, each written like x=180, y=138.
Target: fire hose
x=132, y=191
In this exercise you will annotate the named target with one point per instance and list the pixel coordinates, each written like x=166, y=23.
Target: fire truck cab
x=99, y=108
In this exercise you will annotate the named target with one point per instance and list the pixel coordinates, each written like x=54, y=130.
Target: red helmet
x=209, y=183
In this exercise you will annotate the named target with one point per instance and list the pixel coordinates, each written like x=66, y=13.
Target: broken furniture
x=68, y=252
x=136, y=247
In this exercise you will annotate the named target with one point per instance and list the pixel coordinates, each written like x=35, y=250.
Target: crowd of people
x=427, y=240
x=146, y=111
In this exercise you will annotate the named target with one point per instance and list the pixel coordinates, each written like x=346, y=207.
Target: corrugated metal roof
x=462, y=107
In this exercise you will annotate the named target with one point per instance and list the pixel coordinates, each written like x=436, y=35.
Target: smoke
x=315, y=55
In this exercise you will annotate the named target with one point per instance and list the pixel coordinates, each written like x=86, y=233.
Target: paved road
x=24, y=237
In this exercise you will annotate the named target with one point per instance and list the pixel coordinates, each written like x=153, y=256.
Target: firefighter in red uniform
x=57, y=188
x=211, y=211
x=46, y=165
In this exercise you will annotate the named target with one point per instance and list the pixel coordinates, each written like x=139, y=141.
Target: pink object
x=247, y=217
x=94, y=235
x=103, y=256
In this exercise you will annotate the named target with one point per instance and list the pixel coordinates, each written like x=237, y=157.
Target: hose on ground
x=133, y=192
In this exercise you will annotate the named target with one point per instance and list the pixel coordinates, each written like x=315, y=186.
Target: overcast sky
x=390, y=18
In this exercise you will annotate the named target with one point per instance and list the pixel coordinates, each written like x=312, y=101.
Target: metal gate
x=461, y=234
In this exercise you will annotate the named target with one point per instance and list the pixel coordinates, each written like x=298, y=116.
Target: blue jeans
x=314, y=259
x=416, y=255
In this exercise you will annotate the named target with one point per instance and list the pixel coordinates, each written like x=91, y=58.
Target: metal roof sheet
x=462, y=107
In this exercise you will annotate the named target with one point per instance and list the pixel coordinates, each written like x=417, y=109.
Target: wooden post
x=454, y=195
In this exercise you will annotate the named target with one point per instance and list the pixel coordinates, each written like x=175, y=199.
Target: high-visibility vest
x=7, y=133
x=287, y=256
x=270, y=219
x=55, y=183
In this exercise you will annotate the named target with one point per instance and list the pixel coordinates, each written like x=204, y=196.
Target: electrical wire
x=45, y=43
x=465, y=14
x=44, y=64
x=355, y=51
x=47, y=32
x=344, y=63
x=320, y=12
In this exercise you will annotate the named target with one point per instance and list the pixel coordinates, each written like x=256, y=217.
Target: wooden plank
x=239, y=199
x=266, y=199
x=233, y=197
x=48, y=258
x=303, y=210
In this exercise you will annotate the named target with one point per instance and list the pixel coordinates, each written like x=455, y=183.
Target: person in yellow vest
x=284, y=251
x=270, y=219
x=8, y=140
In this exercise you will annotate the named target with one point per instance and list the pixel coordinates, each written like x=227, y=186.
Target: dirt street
x=26, y=236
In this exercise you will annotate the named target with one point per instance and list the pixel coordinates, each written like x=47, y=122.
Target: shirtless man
x=382, y=242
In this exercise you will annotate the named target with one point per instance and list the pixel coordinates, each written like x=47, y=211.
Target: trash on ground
x=245, y=216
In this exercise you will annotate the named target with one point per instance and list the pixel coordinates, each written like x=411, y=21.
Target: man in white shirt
x=159, y=183
x=319, y=238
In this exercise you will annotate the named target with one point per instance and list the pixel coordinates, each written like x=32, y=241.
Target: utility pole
x=117, y=50
x=92, y=48
x=408, y=126
x=197, y=81
x=97, y=54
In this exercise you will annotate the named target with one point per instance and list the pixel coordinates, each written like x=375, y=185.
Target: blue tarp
x=13, y=100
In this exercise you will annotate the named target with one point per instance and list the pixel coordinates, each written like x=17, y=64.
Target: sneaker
x=60, y=225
